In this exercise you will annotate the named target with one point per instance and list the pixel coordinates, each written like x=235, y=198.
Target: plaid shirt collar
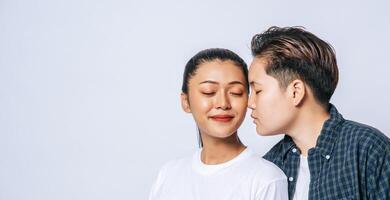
x=327, y=138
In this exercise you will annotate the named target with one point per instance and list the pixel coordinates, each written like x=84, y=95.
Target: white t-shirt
x=303, y=180
x=245, y=177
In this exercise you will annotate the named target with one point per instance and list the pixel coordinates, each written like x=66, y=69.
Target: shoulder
x=265, y=171
x=175, y=165
x=165, y=174
x=269, y=180
x=360, y=129
x=366, y=137
x=269, y=171
x=171, y=168
x=275, y=153
x=369, y=144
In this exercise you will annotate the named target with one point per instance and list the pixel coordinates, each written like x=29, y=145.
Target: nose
x=251, y=101
x=223, y=102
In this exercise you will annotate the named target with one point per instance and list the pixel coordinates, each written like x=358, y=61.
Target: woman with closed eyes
x=215, y=92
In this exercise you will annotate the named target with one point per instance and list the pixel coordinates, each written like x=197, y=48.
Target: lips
x=222, y=118
x=254, y=119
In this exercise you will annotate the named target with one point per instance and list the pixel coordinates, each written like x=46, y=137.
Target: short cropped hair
x=294, y=53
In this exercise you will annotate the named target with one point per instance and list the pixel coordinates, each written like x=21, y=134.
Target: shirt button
x=290, y=179
x=294, y=150
x=327, y=157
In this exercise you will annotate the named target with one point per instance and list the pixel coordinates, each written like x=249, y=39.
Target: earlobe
x=298, y=92
x=185, y=103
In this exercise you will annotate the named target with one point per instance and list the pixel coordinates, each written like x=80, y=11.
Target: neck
x=309, y=123
x=220, y=150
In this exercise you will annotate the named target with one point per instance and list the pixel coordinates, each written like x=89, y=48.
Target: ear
x=185, y=104
x=298, y=91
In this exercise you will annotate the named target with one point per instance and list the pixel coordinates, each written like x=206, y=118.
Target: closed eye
x=237, y=93
x=208, y=93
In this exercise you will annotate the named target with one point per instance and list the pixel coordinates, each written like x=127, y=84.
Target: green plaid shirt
x=350, y=161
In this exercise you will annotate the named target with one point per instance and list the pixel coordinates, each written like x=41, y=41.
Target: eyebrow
x=255, y=82
x=214, y=82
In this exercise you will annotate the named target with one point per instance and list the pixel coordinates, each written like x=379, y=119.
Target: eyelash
x=258, y=91
x=212, y=93
x=236, y=94
x=208, y=93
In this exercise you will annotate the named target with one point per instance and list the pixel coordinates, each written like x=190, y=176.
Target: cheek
x=240, y=103
x=266, y=103
x=204, y=104
x=270, y=105
x=276, y=113
x=199, y=103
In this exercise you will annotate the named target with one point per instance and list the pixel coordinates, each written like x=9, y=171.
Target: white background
x=89, y=90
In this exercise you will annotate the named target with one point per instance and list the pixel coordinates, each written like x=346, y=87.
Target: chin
x=264, y=132
x=223, y=133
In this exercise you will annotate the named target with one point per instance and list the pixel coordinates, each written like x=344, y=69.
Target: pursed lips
x=254, y=118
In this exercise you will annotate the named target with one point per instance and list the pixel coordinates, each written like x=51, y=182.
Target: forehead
x=257, y=69
x=258, y=74
x=219, y=71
